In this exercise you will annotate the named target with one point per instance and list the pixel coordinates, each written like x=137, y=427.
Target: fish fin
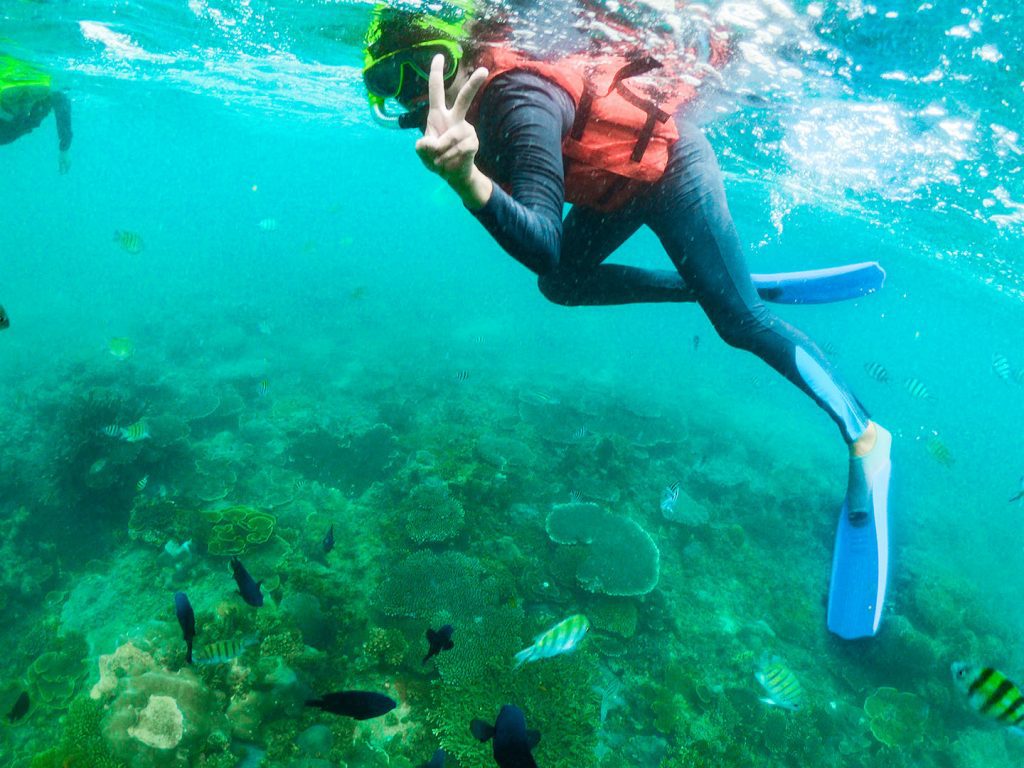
x=431, y=634
x=769, y=702
x=532, y=737
x=481, y=730
x=449, y=645
x=522, y=657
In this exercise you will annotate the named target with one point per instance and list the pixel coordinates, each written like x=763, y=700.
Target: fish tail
x=523, y=656
x=188, y=652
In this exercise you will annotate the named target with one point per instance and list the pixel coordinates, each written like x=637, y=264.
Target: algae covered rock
x=897, y=718
x=621, y=557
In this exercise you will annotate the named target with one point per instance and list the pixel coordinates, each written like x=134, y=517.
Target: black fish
x=247, y=588
x=441, y=640
x=329, y=540
x=437, y=761
x=360, y=705
x=512, y=742
x=20, y=708
x=5, y=321
x=187, y=620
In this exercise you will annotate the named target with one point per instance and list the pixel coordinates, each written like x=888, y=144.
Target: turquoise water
x=421, y=396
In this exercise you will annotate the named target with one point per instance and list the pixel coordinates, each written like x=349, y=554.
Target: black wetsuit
x=521, y=122
x=22, y=124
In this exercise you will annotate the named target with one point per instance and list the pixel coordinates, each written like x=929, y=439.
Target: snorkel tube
x=415, y=118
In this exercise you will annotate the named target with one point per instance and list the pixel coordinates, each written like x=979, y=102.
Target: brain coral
x=621, y=557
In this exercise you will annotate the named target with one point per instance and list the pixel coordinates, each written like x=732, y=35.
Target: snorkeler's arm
x=521, y=121
x=62, y=111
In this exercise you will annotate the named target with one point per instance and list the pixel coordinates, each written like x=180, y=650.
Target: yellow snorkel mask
x=399, y=46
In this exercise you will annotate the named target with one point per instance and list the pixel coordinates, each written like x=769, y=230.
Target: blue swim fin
x=821, y=286
x=860, y=560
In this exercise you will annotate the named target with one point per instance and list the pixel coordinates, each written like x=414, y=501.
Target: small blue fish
x=669, y=498
x=328, y=541
x=187, y=620
x=359, y=705
x=512, y=743
x=248, y=588
x=441, y=640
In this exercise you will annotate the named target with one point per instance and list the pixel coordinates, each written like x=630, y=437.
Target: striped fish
x=263, y=388
x=917, y=389
x=940, y=451
x=112, y=430
x=140, y=486
x=133, y=433
x=990, y=692
x=877, y=372
x=576, y=497
x=129, y=241
x=561, y=638
x=780, y=684
x=223, y=651
x=1001, y=366
x=669, y=498
x=461, y=375
x=580, y=434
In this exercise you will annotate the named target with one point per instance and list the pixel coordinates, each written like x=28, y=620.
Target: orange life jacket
x=621, y=137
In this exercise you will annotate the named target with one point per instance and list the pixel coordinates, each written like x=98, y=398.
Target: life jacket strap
x=655, y=114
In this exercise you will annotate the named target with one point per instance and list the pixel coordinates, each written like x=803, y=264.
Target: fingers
x=436, y=87
x=467, y=93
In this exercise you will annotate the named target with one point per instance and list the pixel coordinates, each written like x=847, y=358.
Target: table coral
x=621, y=557
x=897, y=718
x=237, y=528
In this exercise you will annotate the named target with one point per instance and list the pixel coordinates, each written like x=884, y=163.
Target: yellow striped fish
x=990, y=692
x=940, y=451
x=780, y=684
x=1001, y=366
x=877, y=372
x=223, y=651
x=917, y=389
x=133, y=433
x=263, y=388
x=129, y=241
x=561, y=638
x=143, y=481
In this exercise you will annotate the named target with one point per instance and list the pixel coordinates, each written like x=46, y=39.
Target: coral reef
x=236, y=528
x=430, y=512
x=897, y=718
x=621, y=557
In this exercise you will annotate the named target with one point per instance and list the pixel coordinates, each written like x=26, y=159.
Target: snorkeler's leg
x=691, y=218
x=581, y=278
x=689, y=214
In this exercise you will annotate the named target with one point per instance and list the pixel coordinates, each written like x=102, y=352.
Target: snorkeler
x=516, y=137
x=26, y=97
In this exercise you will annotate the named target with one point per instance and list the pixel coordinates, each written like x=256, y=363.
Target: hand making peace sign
x=449, y=144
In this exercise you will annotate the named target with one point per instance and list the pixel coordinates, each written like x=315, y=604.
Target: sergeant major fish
x=780, y=684
x=990, y=692
x=224, y=651
x=561, y=638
